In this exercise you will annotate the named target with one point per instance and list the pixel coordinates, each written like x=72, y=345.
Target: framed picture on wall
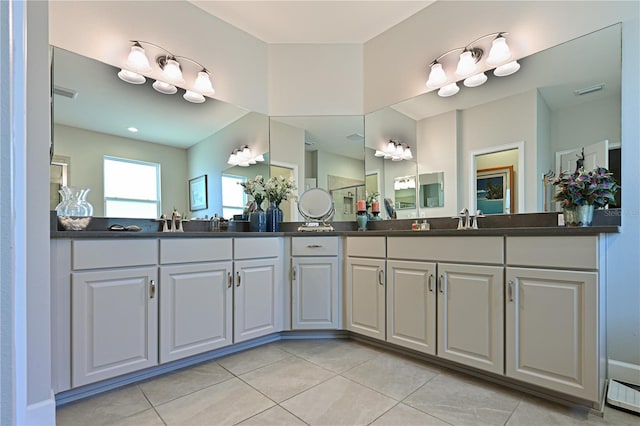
x=198, y=193
x=494, y=188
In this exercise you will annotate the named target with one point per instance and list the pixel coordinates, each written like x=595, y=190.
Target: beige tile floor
x=322, y=382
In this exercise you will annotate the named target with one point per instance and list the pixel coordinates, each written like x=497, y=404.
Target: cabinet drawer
x=449, y=249
x=314, y=246
x=366, y=246
x=92, y=254
x=184, y=250
x=576, y=252
x=252, y=248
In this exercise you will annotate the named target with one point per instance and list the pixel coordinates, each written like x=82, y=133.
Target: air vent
x=591, y=89
x=63, y=91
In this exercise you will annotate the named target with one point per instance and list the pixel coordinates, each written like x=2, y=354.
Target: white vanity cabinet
x=258, y=292
x=315, y=284
x=196, y=303
x=365, y=286
x=114, y=308
x=468, y=298
x=554, y=331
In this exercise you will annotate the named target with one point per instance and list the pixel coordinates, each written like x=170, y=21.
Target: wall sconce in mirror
x=404, y=183
x=395, y=151
x=137, y=65
x=244, y=157
x=469, y=66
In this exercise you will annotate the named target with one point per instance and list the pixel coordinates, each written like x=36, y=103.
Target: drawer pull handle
x=314, y=246
x=381, y=277
x=238, y=279
x=441, y=284
x=152, y=289
x=430, y=282
x=229, y=280
x=510, y=290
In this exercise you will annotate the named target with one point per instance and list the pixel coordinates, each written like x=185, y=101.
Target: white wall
x=315, y=79
x=209, y=157
x=102, y=29
x=545, y=153
x=287, y=145
x=87, y=149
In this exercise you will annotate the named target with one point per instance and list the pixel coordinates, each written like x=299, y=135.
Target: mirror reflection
x=96, y=115
x=563, y=99
x=322, y=152
x=431, y=190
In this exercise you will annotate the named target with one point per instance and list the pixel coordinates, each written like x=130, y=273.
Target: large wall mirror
x=532, y=123
x=321, y=152
x=93, y=111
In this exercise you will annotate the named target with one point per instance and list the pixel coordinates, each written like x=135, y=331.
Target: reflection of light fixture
x=469, y=64
x=395, y=151
x=404, y=183
x=243, y=157
x=137, y=65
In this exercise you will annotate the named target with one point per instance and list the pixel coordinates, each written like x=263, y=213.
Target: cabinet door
x=257, y=298
x=470, y=315
x=552, y=329
x=411, y=305
x=195, y=309
x=114, y=323
x=315, y=293
x=366, y=297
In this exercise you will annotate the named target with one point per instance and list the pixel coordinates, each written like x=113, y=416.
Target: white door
x=315, y=293
x=257, y=298
x=366, y=297
x=595, y=155
x=552, y=330
x=411, y=305
x=114, y=326
x=196, y=306
x=470, y=315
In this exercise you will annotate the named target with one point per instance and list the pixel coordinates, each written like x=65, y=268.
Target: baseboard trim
x=623, y=372
x=42, y=413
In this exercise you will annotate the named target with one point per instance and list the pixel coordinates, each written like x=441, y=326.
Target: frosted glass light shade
x=499, y=52
x=193, y=97
x=166, y=88
x=379, y=153
x=137, y=60
x=407, y=154
x=448, y=90
x=259, y=158
x=203, y=84
x=475, y=80
x=466, y=64
x=233, y=159
x=507, y=69
x=172, y=73
x=131, y=77
x=437, y=77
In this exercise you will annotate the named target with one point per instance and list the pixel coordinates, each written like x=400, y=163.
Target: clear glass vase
x=74, y=211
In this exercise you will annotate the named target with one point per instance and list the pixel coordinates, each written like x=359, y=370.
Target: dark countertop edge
x=534, y=231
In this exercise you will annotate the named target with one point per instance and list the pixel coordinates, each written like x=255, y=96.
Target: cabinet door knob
x=238, y=279
x=381, y=277
x=430, y=282
x=229, y=280
x=152, y=289
x=510, y=290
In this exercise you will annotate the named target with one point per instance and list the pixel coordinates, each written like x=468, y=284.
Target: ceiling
x=301, y=21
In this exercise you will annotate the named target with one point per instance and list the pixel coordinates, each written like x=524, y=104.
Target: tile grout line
x=153, y=407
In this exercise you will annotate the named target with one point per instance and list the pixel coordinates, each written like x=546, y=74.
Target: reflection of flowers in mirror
x=280, y=188
x=596, y=187
x=255, y=188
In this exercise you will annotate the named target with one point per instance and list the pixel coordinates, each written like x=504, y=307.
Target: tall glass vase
x=274, y=217
x=258, y=220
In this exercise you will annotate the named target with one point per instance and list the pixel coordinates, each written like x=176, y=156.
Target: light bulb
x=448, y=90
x=507, y=69
x=166, y=88
x=466, y=64
x=475, y=80
x=193, y=97
x=171, y=72
x=499, y=52
x=203, y=84
x=131, y=77
x=437, y=77
x=137, y=60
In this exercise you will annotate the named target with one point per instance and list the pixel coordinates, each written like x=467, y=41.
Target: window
x=131, y=188
x=233, y=196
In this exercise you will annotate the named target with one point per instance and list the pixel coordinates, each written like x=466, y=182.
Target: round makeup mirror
x=316, y=206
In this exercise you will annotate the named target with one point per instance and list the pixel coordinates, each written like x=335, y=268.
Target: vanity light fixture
x=137, y=65
x=395, y=151
x=404, y=183
x=244, y=157
x=469, y=65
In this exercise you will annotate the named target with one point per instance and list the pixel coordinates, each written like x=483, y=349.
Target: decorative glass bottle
x=258, y=218
x=274, y=216
x=74, y=211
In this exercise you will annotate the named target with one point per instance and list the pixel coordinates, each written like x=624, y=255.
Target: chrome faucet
x=463, y=219
x=474, y=219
